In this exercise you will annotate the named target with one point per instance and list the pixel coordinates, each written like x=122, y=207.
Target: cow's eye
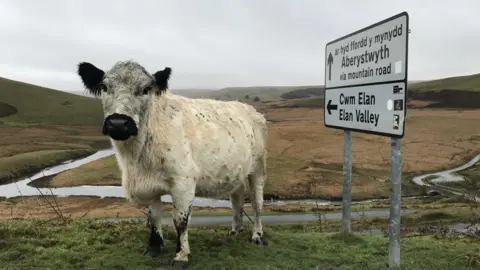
x=103, y=87
x=146, y=90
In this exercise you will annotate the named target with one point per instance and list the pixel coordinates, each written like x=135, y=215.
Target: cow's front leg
x=155, y=242
x=183, y=194
x=257, y=182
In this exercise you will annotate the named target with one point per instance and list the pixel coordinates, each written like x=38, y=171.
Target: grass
x=100, y=172
x=24, y=151
x=31, y=162
x=39, y=105
x=39, y=125
x=313, y=102
x=463, y=83
x=96, y=245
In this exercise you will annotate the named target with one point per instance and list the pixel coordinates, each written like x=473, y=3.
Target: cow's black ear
x=91, y=77
x=161, y=79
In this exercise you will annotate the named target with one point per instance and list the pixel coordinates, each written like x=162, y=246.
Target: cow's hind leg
x=155, y=242
x=183, y=193
x=237, y=199
x=256, y=182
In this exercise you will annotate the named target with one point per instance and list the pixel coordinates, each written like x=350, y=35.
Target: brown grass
x=17, y=165
x=27, y=150
x=38, y=207
x=301, y=151
x=88, y=174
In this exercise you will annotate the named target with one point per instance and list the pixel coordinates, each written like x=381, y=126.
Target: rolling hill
x=459, y=83
x=264, y=93
x=26, y=104
x=277, y=93
x=452, y=92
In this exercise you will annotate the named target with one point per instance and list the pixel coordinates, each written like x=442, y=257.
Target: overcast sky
x=218, y=43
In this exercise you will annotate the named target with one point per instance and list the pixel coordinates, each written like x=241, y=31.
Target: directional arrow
x=330, y=62
x=331, y=107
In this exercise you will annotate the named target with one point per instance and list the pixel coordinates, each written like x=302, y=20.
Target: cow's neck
x=131, y=147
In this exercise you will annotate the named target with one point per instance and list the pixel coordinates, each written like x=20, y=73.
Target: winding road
x=447, y=176
x=268, y=219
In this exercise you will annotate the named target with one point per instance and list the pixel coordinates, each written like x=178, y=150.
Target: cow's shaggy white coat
x=184, y=147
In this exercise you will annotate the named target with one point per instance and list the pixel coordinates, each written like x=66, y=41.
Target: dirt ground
x=74, y=207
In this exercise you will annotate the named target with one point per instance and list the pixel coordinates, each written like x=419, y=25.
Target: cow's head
x=125, y=91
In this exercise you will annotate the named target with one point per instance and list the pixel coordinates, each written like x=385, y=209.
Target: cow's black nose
x=119, y=127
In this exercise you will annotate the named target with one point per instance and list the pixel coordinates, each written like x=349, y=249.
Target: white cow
x=169, y=144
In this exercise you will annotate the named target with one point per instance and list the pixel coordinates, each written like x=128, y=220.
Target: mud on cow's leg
x=155, y=242
x=256, y=183
x=182, y=198
x=237, y=199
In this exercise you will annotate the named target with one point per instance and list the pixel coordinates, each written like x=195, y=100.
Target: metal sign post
x=347, y=182
x=366, y=91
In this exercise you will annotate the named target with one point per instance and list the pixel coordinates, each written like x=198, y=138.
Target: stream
x=21, y=187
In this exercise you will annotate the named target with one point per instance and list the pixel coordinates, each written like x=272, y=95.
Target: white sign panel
x=366, y=78
x=375, y=108
x=376, y=54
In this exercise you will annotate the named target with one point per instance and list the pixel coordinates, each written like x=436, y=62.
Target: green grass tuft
x=98, y=245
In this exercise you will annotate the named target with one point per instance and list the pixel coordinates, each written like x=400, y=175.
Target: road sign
x=366, y=91
x=372, y=108
x=366, y=79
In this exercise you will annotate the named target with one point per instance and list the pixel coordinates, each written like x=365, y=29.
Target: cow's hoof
x=258, y=239
x=152, y=251
x=237, y=232
x=179, y=264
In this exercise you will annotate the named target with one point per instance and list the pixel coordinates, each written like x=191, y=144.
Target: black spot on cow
x=155, y=241
x=181, y=225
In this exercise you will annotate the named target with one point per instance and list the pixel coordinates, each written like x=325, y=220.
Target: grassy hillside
x=465, y=83
x=42, y=127
x=264, y=93
x=452, y=92
x=39, y=105
x=276, y=93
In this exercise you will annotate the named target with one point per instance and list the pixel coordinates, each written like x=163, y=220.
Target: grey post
x=347, y=181
x=395, y=203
